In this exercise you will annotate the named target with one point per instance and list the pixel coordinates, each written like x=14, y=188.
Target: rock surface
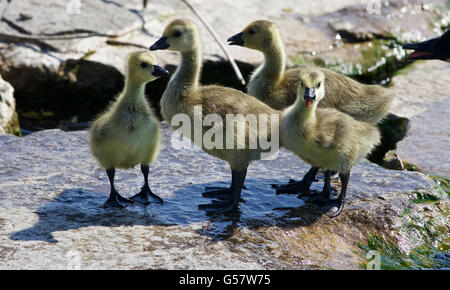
x=8, y=116
x=49, y=50
x=51, y=215
x=423, y=95
x=63, y=32
x=403, y=20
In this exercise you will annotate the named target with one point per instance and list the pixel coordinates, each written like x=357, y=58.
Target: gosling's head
x=257, y=35
x=312, y=86
x=180, y=35
x=142, y=68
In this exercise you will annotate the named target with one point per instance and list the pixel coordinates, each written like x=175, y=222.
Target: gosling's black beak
x=160, y=44
x=310, y=93
x=309, y=96
x=159, y=71
x=236, y=39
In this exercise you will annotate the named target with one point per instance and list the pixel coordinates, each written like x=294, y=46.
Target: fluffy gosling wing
x=349, y=138
x=224, y=101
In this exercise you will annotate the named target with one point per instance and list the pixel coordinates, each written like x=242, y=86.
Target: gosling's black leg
x=334, y=208
x=146, y=194
x=115, y=199
x=237, y=182
x=328, y=192
x=296, y=186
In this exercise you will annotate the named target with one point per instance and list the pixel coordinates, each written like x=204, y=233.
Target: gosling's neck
x=274, y=61
x=133, y=92
x=305, y=115
x=187, y=75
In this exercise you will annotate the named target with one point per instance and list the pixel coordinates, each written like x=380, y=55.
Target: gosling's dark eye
x=144, y=64
x=177, y=33
x=251, y=32
x=318, y=85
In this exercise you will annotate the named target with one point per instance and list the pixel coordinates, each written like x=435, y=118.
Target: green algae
x=13, y=126
x=426, y=256
x=428, y=230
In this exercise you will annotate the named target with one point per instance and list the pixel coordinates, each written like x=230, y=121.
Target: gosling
x=325, y=137
x=184, y=92
x=127, y=133
x=277, y=87
x=435, y=48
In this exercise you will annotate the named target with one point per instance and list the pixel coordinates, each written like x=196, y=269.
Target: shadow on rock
x=76, y=208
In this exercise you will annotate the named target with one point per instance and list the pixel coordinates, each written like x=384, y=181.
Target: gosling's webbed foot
x=322, y=196
x=222, y=194
x=219, y=207
x=233, y=195
x=292, y=187
x=336, y=211
x=327, y=193
x=331, y=208
x=116, y=200
x=218, y=200
x=214, y=188
x=290, y=182
x=146, y=196
x=296, y=186
x=334, y=207
x=124, y=199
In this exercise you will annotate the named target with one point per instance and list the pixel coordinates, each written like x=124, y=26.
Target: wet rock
x=51, y=214
x=399, y=19
x=40, y=42
x=366, y=38
x=429, y=140
x=65, y=32
x=9, y=123
x=423, y=95
x=64, y=22
x=34, y=49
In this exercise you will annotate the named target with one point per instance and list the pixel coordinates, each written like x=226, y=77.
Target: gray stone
x=51, y=214
x=40, y=41
x=363, y=38
x=58, y=23
x=37, y=38
x=55, y=31
x=399, y=19
x=423, y=95
x=34, y=50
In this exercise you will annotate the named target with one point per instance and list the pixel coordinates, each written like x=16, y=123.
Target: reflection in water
x=75, y=208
